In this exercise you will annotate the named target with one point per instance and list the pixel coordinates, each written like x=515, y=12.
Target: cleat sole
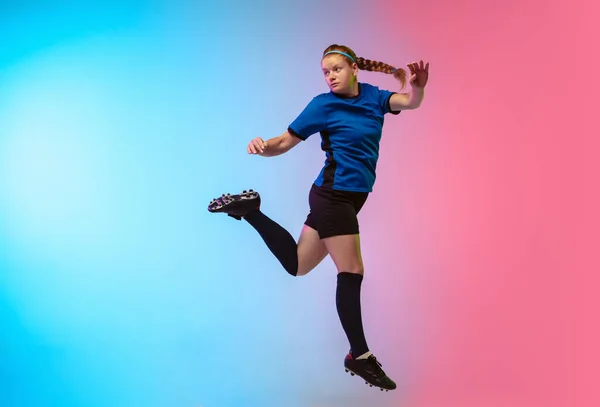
x=230, y=204
x=366, y=382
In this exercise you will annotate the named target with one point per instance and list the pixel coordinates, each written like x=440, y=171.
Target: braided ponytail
x=368, y=65
x=376, y=66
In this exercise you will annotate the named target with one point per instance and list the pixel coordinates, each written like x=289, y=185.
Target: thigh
x=345, y=253
x=332, y=213
x=311, y=250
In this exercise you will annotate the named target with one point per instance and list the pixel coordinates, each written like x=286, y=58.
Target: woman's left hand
x=419, y=74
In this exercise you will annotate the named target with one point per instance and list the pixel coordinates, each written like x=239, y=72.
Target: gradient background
x=119, y=122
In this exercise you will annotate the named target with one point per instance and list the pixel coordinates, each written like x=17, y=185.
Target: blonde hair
x=367, y=64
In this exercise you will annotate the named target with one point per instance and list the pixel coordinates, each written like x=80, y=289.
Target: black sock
x=348, y=307
x=278, y=240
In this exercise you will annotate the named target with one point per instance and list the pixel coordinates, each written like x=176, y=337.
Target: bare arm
x=407, y=101
x=273, y=146
x=418, y=80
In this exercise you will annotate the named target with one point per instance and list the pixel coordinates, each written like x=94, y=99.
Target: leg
x=311, y=250
x=345, y=252
x=297, y=259
x=279, y=241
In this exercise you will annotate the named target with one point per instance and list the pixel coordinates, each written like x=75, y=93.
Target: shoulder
x=324, y=97
x=383, y=97
x=320, y=99
x=374, y=92
x=369, y=88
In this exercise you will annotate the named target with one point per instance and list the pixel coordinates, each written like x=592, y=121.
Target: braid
x=368, y=65
x=376, y=66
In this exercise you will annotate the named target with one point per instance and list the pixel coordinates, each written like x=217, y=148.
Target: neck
x=352, y=91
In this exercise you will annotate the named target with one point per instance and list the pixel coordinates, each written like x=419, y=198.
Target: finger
x=258, y=145
x=261, y=143
x=427, y=67
x=421, y=65
x=251, y=147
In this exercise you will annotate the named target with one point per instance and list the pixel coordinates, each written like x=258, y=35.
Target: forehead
x=332, y=60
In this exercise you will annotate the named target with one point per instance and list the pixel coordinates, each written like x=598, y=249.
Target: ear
x=355, y=68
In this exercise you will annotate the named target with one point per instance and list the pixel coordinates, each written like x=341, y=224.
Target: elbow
x=414, y=104
x=289, y=141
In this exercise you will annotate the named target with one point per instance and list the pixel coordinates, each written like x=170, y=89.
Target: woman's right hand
x=257, y=146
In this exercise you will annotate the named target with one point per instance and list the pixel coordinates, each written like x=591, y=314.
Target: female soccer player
x=349, y=119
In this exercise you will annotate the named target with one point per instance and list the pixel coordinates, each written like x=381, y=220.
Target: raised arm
x=418, y=80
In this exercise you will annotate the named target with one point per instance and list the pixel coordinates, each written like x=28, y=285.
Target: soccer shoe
x=236, y=206
x=370, y=370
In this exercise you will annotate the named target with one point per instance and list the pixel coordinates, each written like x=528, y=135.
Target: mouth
x=334, y=85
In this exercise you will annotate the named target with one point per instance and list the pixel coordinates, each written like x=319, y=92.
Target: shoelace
x=377, y=366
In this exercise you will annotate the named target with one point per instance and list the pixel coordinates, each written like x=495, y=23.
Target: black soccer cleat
x=236, y=206
x=370, y=370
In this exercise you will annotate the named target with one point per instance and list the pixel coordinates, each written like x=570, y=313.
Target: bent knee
x=302, y=272
x=308, y=261
x=305, y=267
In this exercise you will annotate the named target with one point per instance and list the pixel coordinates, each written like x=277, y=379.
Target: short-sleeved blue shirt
x=350, y=129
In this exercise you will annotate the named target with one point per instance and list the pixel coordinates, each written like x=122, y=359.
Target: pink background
x=494, y=198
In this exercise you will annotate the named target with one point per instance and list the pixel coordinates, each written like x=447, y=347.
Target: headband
x=340, y=52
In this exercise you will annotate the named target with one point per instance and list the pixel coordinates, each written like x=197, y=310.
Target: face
x=339, y=74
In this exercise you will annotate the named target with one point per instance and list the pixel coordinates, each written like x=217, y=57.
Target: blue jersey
x=350, y=128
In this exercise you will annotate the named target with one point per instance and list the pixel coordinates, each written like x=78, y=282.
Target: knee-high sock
x=349, y=311
x=281, y=243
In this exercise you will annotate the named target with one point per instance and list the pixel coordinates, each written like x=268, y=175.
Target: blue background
x=120, y=122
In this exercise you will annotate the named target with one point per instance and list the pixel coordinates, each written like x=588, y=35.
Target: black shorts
x=333, y=212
